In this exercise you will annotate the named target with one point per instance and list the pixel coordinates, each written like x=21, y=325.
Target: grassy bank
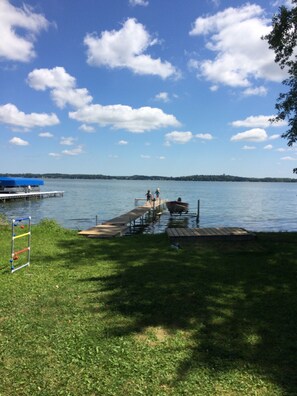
x=132, y=316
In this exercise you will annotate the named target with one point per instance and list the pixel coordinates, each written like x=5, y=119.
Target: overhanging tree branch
x=283, y=40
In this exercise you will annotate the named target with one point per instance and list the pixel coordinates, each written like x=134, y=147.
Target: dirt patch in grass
x=153, y=335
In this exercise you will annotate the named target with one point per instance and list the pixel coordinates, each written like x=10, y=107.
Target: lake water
x=254, y=206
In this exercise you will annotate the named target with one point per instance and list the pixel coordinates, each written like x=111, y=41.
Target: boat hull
x=177, y=207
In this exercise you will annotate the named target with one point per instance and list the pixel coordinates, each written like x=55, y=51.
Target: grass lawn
x=132, y=316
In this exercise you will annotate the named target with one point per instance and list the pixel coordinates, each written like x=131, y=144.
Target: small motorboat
x=177, y=206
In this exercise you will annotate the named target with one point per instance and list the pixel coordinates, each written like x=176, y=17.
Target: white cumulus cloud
x=18, y=141
x=42, y=79
x=18, y=30
x=260, y=121
x=205, y=136
x=75, y=151
x=64, y=91
x=288, y=158
x=281, y=150
x=287, y=3
x=274, y=137
x=87, y=128
x=237, y=62
x=62, y=86
x=45, y=135
x=12, y=116
x=126, y=48
x=178, y=137
x=252, y=135
x=134, y=3
x=255, y=91
x=162, y=96
x=124, y=117
x=67, y=141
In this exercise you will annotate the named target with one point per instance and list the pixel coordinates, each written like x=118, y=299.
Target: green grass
x=132, y=316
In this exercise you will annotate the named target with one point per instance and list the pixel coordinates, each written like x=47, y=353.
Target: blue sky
x=151, y=87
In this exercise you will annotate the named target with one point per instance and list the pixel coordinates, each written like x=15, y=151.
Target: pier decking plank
x=29, y=195
x=104, y=231
x=117, y=226
x=224, y=233
x=129, y=216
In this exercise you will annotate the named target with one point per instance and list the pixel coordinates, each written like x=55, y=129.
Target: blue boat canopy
x=20, y=182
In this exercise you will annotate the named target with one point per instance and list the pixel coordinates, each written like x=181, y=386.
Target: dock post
x=198, y=211
x=154, y=209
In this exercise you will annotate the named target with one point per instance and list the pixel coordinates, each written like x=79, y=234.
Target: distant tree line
x=218, y=178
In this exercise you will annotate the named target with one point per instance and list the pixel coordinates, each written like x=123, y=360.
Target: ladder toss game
x=16, y=251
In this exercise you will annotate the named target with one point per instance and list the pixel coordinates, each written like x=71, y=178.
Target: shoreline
x=210, y=178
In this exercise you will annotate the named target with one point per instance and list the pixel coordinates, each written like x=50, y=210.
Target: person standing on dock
x=148, y=195
x=157, y=193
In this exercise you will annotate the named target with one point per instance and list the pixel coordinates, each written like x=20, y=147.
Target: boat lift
x=190, y=214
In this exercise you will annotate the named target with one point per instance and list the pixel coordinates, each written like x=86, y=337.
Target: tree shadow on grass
x=238, y=303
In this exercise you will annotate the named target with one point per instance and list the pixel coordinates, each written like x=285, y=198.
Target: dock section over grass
x=225, y=233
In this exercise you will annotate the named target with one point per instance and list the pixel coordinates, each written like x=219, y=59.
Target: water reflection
x=179, y=221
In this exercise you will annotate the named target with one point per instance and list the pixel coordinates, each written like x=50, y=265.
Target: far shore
x=212, y=178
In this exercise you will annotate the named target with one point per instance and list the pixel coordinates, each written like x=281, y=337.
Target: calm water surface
x=254, y=206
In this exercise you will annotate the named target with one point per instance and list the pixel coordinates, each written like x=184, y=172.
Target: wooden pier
x=30, y=195
x=120, y=225
x=207, y=234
